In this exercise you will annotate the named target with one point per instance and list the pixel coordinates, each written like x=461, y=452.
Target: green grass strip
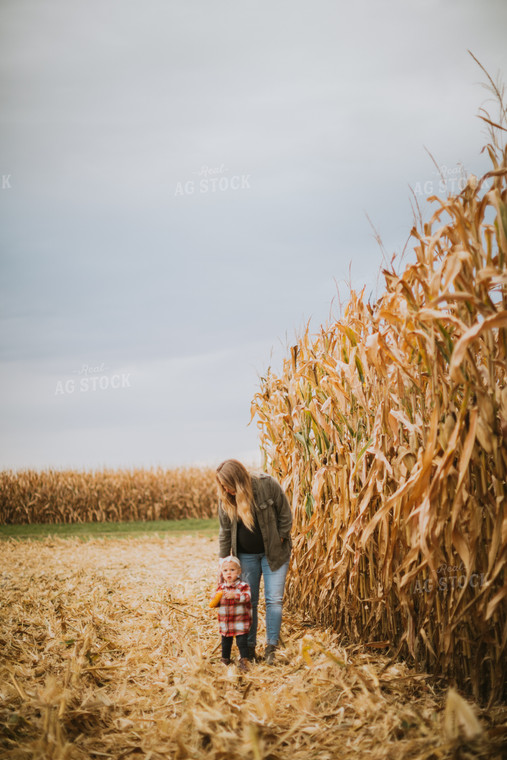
x=207, y=527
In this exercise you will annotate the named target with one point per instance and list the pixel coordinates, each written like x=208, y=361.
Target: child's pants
x=241, y=641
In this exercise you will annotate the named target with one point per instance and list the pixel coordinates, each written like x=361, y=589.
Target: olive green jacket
x=274, y=516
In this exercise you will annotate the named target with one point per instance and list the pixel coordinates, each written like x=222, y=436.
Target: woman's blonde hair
x=233, y=477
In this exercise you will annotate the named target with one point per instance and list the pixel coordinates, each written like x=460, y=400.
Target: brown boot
x=243, y=665
x=225, y=661
x=269, y=654
x=251, y=654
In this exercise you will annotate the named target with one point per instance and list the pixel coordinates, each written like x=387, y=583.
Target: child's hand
x=230, y=594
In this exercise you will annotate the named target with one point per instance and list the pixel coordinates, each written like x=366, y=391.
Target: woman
x=255, y=521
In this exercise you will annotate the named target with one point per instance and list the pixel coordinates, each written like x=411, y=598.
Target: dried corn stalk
x=389, y=431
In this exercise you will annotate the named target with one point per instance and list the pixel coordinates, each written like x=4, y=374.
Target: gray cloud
x=189, y=182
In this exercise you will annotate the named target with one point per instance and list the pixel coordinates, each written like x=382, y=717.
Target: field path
x=109, y=650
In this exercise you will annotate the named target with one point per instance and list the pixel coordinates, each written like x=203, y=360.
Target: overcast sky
x=184, y=184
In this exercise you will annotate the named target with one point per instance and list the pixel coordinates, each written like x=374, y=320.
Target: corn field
x=54, y=496
x=388, y=429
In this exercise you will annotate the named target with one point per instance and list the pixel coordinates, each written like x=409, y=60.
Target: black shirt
x=250, y=541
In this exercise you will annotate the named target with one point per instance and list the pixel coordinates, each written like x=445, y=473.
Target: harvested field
x=108, y=650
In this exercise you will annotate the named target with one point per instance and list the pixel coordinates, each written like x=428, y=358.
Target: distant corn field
x=389, y=431
x=53, y=496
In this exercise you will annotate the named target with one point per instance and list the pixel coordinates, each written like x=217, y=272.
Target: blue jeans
x=252, y=567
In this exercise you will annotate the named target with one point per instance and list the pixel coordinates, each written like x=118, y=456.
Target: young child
x=234, y=610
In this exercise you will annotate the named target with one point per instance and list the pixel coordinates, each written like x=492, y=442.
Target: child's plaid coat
x=235, y=615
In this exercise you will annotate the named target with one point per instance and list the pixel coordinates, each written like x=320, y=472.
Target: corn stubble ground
x=109, y=650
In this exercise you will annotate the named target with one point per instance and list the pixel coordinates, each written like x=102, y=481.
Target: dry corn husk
x=459, y=718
